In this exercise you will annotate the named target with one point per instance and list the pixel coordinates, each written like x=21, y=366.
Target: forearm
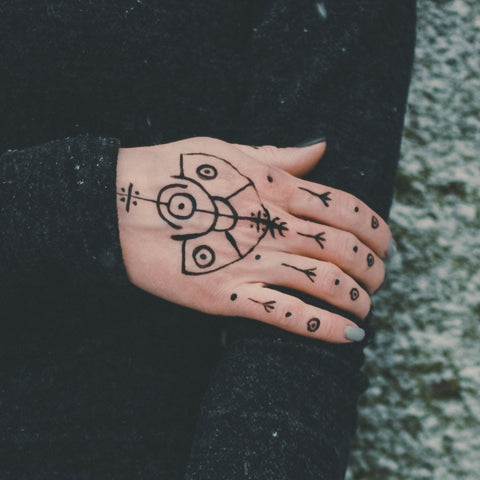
x=58, y=210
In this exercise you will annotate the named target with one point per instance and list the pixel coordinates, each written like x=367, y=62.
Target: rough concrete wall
x=420, y=418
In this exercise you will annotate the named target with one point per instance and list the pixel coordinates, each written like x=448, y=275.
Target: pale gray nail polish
x=308, y=143
x=392, y=249
x=354, y=333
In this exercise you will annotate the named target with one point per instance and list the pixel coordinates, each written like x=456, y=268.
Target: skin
x=323, y=253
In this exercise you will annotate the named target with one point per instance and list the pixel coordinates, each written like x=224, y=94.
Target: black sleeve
x=58, y=212
x=279, y=406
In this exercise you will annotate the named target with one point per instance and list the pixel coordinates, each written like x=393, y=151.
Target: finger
x=319, y=279
x=344, y=249
x=297, y=161
x=289, y=313
x=338, y=209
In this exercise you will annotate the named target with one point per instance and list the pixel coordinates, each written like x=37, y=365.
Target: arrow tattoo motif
x=309, y=272
x=324, y=197
x=318, y=238
x=268, y=306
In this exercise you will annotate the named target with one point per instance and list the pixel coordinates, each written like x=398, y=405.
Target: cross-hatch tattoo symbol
x=215, y=211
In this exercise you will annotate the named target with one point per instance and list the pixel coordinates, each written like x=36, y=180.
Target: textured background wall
x=421, y=417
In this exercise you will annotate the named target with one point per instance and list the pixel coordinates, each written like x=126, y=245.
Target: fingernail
x=354, y=333
x=392, y=249
x=308, y=143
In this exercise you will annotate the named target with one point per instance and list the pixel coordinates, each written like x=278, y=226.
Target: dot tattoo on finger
x=355, y=249
x=313, y=324
x=288, y=314
x=258, y=257
x=337, y=282
x=354, y=294
x=356, y=209
x=233, y=297
x=375, y=223
x=370, y=260
x=270, y=179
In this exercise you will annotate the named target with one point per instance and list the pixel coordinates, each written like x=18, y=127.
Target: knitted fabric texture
x=101, y=380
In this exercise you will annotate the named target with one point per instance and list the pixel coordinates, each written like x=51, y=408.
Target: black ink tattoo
x=356, y=209
x=270, y=179
x=354, y=294
x=313, y=324
x=324, y=197
x=355, y=249
x=258, y=257
x=268, y=306
x=233, y=297
x=337, y=282
x=260, y=221
x=309, y=272
x=319, y=238
x=130, y=197
x=375, y=223
x=370, y=260
x=206, y=205
x=288, y=314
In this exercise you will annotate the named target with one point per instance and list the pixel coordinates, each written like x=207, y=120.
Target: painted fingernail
x=392, y=249
x=354, y=333
x=308, y=143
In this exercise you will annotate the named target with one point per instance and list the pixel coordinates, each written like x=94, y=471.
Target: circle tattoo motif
x=181, y=205
x=207, y=172
x=370, y=260
x=354, y=294
x=203, y=256
x=313, y=324
x=375, y=223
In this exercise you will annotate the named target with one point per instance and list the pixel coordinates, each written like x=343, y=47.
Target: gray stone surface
x=420, y=418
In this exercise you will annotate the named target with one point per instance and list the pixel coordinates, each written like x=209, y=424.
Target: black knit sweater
x=100, y=380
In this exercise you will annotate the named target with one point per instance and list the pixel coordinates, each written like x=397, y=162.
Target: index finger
x=341, y=210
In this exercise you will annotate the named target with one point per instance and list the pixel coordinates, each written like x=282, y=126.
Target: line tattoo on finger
x=319, y=238
x=268, y=306
x=309, y=272
x=215, y=210
x=324, y=197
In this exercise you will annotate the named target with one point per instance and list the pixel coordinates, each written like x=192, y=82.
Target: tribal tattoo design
x=324, y=197
x=309, y=272
x=209, y=203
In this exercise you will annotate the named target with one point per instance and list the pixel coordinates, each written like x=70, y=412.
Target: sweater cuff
x=58, y=210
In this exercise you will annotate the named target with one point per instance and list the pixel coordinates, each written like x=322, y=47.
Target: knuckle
x=380, y=276
x=349, y=246
x=285, y=316
x=367, y=306
x=330, y=280
x=327, y=328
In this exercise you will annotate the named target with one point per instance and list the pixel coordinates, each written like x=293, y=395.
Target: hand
x=212, y=225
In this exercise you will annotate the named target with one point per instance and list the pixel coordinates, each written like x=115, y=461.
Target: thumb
x=297, y=161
